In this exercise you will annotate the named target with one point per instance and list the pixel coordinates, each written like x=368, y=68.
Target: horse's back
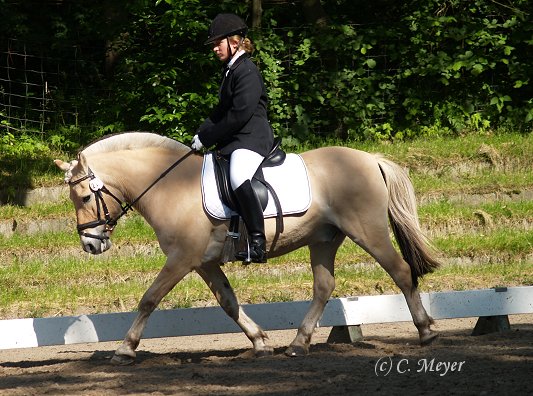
x=336, y=161
x=350, y=155
x=342, y=177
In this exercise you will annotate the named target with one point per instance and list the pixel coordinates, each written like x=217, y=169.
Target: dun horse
x=354, y=194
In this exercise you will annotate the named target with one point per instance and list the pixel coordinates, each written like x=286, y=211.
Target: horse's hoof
x=267, y=351
x=294, y=351
x=428, y=339
x=122, y=360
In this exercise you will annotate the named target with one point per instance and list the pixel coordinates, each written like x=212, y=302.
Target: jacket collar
x=235, y=57
x=236, y=61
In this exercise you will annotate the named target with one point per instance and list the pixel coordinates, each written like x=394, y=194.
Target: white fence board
x=24, y=333
x=486, y=302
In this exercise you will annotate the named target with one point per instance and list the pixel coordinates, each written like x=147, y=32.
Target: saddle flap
x=225, y=192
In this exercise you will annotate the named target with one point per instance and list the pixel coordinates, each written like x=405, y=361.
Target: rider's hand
x=196, y=143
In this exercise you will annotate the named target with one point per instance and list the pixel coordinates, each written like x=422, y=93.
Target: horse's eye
x=86, y=199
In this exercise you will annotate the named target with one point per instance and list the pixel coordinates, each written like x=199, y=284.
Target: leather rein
x=98, y=188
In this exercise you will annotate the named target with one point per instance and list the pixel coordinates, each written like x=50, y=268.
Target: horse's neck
x=131, y=173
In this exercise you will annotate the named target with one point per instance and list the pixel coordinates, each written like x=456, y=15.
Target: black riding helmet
x=226, y=25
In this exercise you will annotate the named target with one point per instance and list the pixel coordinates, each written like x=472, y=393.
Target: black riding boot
x=252, y=215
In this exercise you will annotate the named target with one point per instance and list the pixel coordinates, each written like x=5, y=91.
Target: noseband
x=97, y=187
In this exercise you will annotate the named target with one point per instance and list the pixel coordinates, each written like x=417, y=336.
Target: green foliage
x=24, y=159
x=12, y=146
x=162, y=89
x=383, y=70
x=435, y=69
x=465, y=63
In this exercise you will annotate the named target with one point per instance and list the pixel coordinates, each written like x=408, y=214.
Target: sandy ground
x=388, y=361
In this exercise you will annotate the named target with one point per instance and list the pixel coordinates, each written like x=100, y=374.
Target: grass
x=473, y=183
x=465, y=277
x=42, y=285
x=88, y=285
x=474, y=163
x=71, y=282
x=497, y=243
x=442, y=152
x=499, y=211
x=133, y=230
x=62, y=208
x=449, y=218
x=43, y=241
x=485, y=244
x=511, y=243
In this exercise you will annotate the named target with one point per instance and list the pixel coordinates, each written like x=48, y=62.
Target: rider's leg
x=243, y=165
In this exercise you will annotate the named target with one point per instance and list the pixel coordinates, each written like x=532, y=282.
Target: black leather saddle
x=261, y=187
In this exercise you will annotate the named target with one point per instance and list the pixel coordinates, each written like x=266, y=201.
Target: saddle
x=282, y=178
x=275, y=157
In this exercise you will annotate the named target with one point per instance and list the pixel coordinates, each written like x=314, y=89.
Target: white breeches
x=242, y=166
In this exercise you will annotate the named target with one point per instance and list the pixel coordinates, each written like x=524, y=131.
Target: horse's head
x=96, y=207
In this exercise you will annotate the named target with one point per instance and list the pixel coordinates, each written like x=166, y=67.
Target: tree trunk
x=257, y=14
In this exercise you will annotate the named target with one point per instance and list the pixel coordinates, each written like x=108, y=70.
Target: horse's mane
x=131, y=141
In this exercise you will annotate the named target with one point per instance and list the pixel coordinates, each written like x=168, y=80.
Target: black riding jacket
x=239, y=120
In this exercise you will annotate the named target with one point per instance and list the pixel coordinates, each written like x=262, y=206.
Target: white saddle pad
x=289, y=180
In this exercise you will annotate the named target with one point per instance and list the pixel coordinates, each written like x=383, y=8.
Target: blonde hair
x=244, y=44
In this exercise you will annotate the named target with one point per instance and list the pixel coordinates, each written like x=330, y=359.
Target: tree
x=381, y=69
x=257, y=14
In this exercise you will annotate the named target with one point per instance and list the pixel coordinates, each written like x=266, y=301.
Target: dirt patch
x=387, y=361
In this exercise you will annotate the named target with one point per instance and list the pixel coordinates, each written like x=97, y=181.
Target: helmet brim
x=240, y=32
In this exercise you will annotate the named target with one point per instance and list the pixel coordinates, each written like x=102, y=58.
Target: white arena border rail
x=351, y=311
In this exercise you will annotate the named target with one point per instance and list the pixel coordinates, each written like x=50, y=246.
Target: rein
x=97, y=187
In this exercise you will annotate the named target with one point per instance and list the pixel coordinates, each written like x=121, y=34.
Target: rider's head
x=227, y=35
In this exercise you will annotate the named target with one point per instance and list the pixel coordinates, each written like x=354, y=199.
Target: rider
x=238, y=126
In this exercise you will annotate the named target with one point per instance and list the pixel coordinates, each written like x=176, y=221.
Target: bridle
x=98, y=189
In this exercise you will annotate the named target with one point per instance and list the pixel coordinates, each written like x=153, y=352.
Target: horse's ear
x=82, y=162
x=64, y=166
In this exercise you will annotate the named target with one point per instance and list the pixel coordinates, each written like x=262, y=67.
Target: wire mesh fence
x=39, y=92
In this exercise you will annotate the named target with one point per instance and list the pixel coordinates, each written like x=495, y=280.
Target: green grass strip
x=511, y=242
x=95, y=286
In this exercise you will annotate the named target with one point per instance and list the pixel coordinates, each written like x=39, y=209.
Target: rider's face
x=221, y=49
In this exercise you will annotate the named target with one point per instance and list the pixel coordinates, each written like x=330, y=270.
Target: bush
x=383, y=70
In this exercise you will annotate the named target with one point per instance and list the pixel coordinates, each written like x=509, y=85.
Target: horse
x=355, y=194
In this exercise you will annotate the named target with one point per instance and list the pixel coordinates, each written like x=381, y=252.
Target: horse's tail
x=403, y=217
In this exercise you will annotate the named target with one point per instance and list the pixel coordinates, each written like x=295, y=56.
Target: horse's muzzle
x=95, y=240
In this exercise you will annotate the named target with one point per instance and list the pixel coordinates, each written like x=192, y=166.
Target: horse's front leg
x=172, y=272
x=322, y=261
x=217, y=281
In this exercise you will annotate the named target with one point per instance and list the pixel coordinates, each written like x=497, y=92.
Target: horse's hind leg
x=322, y=262
x=219, y=285
x=379, y=245
x=400, y=272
